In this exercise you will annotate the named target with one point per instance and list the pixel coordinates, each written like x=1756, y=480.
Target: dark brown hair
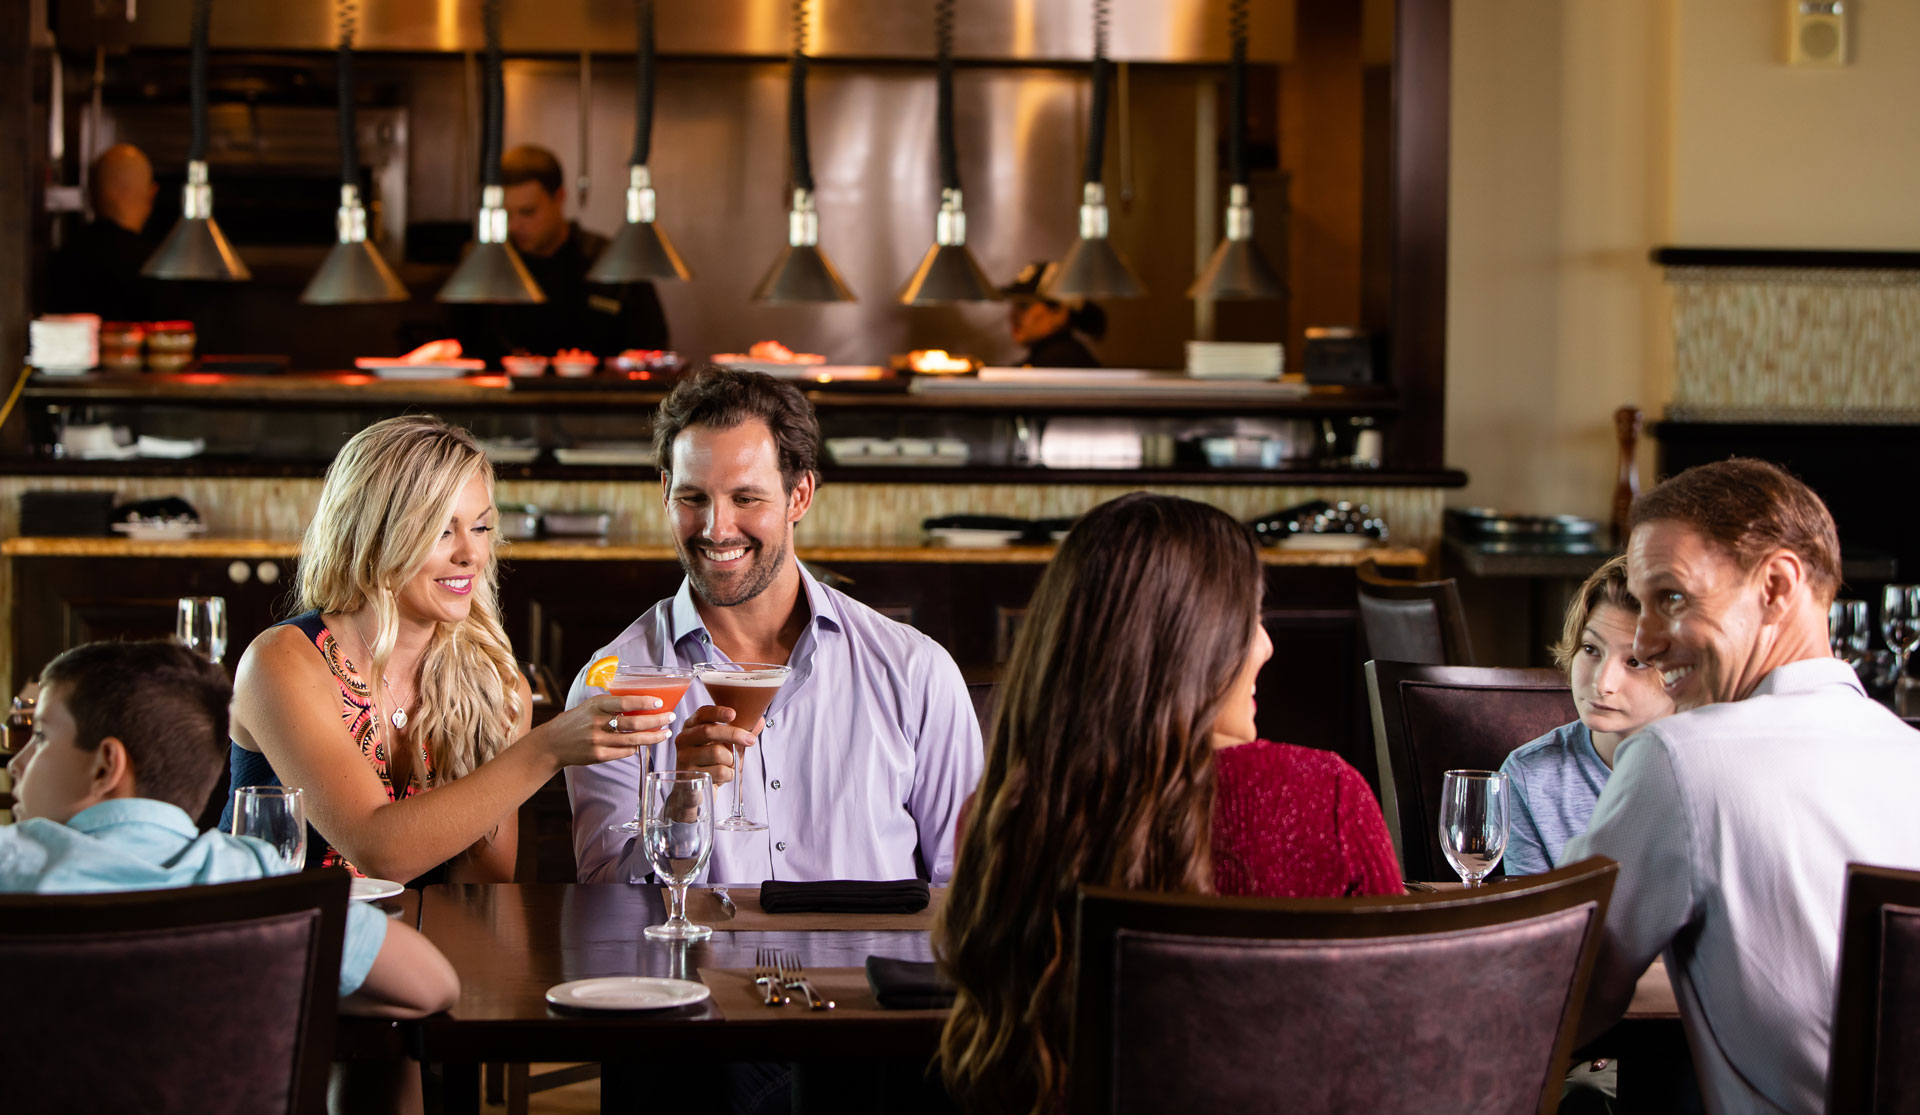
x=725, y=397
x=1099, y=769
x=1606, y=585
x=529, y=163
x=166, y=704
x=1751, y=509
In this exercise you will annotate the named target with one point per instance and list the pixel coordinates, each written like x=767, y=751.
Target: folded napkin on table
x=844, y=896
x=908, y=984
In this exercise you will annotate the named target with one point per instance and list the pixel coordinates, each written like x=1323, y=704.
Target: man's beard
x=733, y=589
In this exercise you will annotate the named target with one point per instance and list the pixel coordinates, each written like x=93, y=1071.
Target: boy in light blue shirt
x=1556, y=779
x=128, y=741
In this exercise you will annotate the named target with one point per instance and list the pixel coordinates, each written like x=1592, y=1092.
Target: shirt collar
x=132, y=811
x=684, y=617
x=1807, y=675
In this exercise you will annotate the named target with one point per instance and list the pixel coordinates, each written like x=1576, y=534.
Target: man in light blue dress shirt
x=1734, y=820
x=871, y=744
x=125, y=736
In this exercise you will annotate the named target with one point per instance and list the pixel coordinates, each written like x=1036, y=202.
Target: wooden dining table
x=510, y=943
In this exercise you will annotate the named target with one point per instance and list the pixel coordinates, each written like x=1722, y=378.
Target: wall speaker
x=1816, y=32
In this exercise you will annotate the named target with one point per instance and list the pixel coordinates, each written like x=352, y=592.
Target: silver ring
x=613, y=723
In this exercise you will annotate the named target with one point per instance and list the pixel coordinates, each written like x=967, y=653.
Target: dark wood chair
x=1874, y=1062
x=983, y=694
x=1428, y=720
x=209, y=999
x=1413, y=621
x=1456, y=1001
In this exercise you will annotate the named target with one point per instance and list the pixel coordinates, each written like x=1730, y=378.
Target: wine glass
x=748, y=688
x=1848, y=632
x=677, y=811
x=201, y=624
x=1900, y=624
x=277, y=815
x=1473, y=822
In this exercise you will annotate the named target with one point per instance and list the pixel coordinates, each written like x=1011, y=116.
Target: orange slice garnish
x=600, y=674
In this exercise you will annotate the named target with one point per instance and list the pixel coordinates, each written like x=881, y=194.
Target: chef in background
x=604, y=320
x=97, y=271
x=1055, y=333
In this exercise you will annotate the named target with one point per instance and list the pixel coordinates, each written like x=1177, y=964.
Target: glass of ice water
x=201, y=624
x=277, y=815
x=676, y=811
x=1473, y=822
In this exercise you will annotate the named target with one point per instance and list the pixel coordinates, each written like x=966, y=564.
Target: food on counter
x=938, y=362
x=769, y=352
x=647, y=360
x=524, y=364
x=170, y=345
x=433, y=358
x=122, y=346
x=575, y=362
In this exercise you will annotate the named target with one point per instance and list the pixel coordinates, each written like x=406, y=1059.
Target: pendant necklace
x=399, y=717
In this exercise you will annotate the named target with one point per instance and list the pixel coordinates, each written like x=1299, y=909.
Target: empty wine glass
x=1900, y=624
x=201, y=624
x=277, y=815
x=1847, y=629
x=1473, y=822
x=677, y=815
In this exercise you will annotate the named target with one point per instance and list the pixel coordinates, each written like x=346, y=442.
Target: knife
x=727, y=909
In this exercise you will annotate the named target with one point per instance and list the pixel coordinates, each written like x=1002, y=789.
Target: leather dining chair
x=1450, y=1002
x=1874, y=1062
x=1428, y=720
x=209, y=999
x=1412, y=621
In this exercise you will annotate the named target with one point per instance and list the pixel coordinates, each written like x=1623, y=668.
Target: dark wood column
x=1423, y=37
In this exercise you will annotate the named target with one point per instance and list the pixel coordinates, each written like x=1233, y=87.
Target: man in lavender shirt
x=871, y=744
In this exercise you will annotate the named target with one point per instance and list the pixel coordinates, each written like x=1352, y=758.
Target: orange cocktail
x=748, y=688
x=633, y=679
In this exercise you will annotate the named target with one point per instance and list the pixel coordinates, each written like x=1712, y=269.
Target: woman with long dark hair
x=1122, y=753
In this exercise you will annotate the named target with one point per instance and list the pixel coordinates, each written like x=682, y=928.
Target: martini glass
x=669, y=683
x=747, y=688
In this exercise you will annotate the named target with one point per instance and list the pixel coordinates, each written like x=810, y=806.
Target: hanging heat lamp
x=196, y=248
x=1093, y=268
x=801, y=272
x=947, y=273
x=492, y=271
x=354, y=270
x=640, y=252
x=1238, y=269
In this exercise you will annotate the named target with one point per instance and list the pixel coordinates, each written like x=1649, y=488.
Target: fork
x=767, y=976
x=793, y=976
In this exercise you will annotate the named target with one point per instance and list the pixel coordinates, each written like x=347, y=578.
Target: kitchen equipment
x=1234, y=360
x=801, y=272
x=1238, y=268
x=195, y=248
x=1309, y=523
x=606, y=453
x=1473, y=523
x=640, y=251
x=1244, y=452
x=66, y=514
x=948, y=271
x=1093, y=268
x=1337, y=355
x=577, y=524
x=518, y=522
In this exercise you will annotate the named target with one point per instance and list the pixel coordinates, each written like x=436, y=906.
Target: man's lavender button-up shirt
x=869, y=749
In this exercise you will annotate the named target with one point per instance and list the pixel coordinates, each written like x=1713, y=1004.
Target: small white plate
x=627, y=993
x=366, y=890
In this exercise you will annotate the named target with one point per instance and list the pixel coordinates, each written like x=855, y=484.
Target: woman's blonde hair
x=387, y=497
x=1607, y=585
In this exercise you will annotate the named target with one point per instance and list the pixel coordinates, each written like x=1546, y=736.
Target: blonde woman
x=398, y=678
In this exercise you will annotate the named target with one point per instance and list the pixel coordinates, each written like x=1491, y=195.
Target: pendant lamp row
x=492, y=272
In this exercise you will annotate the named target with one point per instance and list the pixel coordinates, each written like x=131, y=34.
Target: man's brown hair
x=725, y=397
x=1751, y=509
x=531, y=164
x=164, y=703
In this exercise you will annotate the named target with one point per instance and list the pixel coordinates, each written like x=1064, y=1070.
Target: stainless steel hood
x=993, y=30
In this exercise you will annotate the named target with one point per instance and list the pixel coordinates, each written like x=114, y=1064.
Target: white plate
x=158, y=532
x=627, y=993
x=965, y=538
x=366, y=890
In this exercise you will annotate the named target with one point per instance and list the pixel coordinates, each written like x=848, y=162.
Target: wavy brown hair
x=1099, y=770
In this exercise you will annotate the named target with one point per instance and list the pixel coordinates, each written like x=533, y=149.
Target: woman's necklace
x=399, y=716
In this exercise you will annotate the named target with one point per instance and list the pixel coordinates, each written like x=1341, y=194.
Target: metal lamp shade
x=639, y=253
x=196, y=249
x=492, y=272
x=1093, y=269
x=353, y=272
x=948, y=273
x=1238, y=270
x=802, y=273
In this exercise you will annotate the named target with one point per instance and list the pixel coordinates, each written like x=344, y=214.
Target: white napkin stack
x=64, y=344
x=1235, y=360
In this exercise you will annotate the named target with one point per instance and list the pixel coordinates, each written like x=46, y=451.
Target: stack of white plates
x=64, y=344
x=1235, y=360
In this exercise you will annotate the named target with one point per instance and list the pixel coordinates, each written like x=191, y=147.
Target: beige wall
x=1558, y=189
x=1586, y=132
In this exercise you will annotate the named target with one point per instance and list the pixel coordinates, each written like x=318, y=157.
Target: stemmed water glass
x=1900, y=624
x=1848, y=632
x=201, y=624
x=748, y=688
x=677, y=812
x=276, y=815
x=1473, y=822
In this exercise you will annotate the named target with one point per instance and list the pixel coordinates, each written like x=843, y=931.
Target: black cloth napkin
x=908, y=984
x=844, y=896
